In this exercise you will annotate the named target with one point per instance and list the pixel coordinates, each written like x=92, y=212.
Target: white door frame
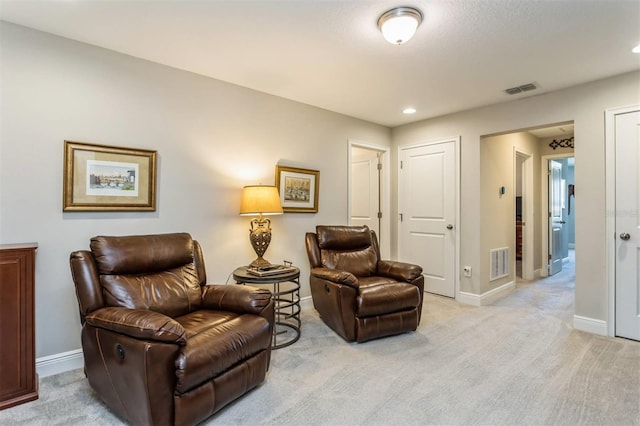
x=385, y=190
x=610, y=208
x=456, y=141
x=527, y=211
x=544, y=207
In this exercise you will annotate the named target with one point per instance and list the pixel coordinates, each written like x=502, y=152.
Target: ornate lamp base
x=260, y=237
x=260, y=263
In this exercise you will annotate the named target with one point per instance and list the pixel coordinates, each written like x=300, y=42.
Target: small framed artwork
x=108, y=178
x=298, y=189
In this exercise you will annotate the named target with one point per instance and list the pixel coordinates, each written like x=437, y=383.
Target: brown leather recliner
x=356, y=294
x=160, y=346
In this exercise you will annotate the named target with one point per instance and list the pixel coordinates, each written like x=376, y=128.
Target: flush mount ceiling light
x=636, y=49
x=400, y=24
x=409, y=110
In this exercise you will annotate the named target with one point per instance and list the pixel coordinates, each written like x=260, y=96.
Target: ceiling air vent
x=520, y=89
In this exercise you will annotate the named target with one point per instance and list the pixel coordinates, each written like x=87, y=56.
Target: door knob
x=449, y=226
x=625, y=236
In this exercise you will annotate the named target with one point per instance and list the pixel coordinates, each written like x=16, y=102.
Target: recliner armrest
x=335, y=275
x=139, y=324
x=235, y=298
x=399, y=270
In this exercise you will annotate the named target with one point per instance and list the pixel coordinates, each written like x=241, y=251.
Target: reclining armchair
x=356, y=294
x=160, y=346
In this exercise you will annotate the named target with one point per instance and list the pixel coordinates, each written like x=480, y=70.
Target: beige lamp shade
x=260, y=200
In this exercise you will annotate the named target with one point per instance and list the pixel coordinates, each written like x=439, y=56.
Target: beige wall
x=585, y=106
x=212, y=139
x=497, y=168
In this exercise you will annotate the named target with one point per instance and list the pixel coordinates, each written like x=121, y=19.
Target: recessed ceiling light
x=636, y=49
x=409, y=111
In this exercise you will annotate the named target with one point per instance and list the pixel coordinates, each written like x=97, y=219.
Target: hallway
x=568, y=271
x=546, y=293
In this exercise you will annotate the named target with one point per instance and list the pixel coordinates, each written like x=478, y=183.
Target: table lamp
x=260, y=200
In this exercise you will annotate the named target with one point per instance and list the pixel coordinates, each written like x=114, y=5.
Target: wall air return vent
x=519, y=89
x=499, y=263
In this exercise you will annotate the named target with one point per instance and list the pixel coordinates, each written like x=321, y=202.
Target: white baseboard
x=535, y=274
x=486, y=298
x=59, y=363
x=572, y=246
x=306, y=303
x=590, y=325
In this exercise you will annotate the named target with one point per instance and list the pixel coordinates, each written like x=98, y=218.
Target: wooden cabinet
x=18, y=380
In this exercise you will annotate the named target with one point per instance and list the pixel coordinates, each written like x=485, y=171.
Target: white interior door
x=365, y=188
x=555, y=216
x=627, y=205
x=427, y=207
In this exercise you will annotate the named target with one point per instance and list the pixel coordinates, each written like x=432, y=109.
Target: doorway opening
x=515, y=200
x=558, y=195
x=524, y=219
x=369, y=187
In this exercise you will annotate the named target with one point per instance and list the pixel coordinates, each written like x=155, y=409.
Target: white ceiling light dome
x=398, y=25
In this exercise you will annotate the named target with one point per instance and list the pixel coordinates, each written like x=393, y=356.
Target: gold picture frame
x=298, y=189
x=99, y=178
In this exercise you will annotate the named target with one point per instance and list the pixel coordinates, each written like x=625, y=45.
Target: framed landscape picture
x=298, y=189
x=108, y=178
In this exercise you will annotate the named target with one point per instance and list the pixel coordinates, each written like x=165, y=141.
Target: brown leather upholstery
x=160, y=346
x=356, y=294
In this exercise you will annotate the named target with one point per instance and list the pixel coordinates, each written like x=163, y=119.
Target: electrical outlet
x=467, y=271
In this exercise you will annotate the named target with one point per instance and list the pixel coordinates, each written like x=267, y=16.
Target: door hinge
x=401, y=218
x=379, y=166
x=549, y=214
x=549, y=257
x=379, y=215
x=401, y=164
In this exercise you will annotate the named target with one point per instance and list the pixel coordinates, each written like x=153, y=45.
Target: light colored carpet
x=517, y=362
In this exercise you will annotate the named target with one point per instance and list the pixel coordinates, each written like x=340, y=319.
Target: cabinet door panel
x=18, y=382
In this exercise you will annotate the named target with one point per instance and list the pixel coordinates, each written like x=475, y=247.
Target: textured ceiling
x=330, y=54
